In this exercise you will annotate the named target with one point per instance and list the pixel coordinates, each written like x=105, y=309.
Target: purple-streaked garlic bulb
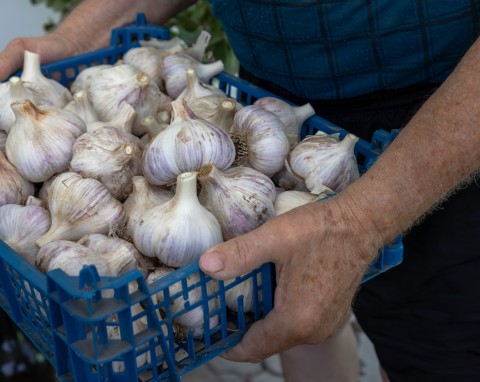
x=41, y=140
x=260, y=140
x=148, y=60
x=82, y=81
x=109, y=155
x=21, y=226
x=325, y=162
x=180, y=230
x=14, y=188
x=241, y=198
x=80, y=206
x=291, y=116
x=10, y=92
x=187, y=144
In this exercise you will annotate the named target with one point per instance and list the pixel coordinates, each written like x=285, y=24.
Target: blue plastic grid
x=68, y=318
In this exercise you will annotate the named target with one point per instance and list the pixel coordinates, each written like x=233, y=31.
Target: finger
x=11, y=58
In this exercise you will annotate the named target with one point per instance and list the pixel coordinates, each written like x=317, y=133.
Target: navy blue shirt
x=334, y=49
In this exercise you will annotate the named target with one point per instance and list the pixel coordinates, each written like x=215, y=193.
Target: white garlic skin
x=109, y=155
x=192, y=320
x=123, y=120
x=41, y=140
x=288, y=200
x=241, y=198
x=10, y=92
x=262, y=135
x=174, y=45
x=143, y=198
x=81, y=106
x=180, y=230
x=71, y=257
x=325, y=162
x=14, y=188
x=146, y=59
x=291, y=116
x=79, y=207
x=84, y=78
x=197, y=89
x=21, y=226
x=215, y=109
x=185, y=145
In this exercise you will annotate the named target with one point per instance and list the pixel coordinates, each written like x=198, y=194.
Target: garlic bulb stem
x=197, y=50
x=31, y=66
x=17, y=90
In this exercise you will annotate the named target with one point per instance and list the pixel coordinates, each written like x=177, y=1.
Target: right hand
x=51, y=47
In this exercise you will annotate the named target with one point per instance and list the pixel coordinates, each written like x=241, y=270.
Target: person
x=363, y=65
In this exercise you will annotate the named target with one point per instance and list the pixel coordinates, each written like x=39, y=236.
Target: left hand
x=321, y=251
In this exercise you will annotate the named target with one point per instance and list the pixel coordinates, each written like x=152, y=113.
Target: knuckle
x=242, y=251
x=18, y=44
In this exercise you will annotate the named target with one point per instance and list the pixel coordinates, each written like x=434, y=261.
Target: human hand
x=321, y=251
x=51, y=47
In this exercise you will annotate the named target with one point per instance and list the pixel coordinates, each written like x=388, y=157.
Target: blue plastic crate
x=68, y=318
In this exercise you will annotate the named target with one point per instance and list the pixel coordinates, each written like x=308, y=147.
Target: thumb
x=239, y=255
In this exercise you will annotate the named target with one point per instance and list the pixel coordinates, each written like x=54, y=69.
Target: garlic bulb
x=196, y=89
x=109, y=155
x=81, y=106
x=191, y=319
x=84, y=78
x=325, y=161
x=174, y=69
x=186, y=144
x=44, y=91
x=291, y=116
x=174, y=45
x=148, y=60
x=241, y=198
x=10, y=92
x=80, y=206
x=219, y=111
x=122, y=83
x=21, y=226
x=286, y=180
x=123, y=120
x=101, y=243
x=288, y=200
x=197, y=50
x=41, y=140
x=260, y=139
x=244, y=289
x=180, y=230
x=70, y=257
x=3, y=142
x=14, y=189
x=143, y=198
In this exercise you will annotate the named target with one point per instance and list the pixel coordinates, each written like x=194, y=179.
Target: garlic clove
x=10, y=92
x=260, y=140
x=180, y=230
x=240, y=198
x=84, y=78
x=43, y=90
x=109, y=155
x=21, y=226
x=81, y=106
x=325, y=162
x=185, y=145
x=79, y=207
x=14, y=188
x=123, y=120
x=41, y=140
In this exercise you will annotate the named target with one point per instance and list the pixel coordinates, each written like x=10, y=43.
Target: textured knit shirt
x=333, y=49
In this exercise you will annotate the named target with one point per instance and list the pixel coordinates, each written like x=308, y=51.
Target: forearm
x=436, y=151
x=89, y=25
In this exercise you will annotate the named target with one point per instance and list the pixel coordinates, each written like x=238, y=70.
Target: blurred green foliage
x=186, y=25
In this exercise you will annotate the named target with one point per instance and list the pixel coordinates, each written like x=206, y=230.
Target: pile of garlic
x=143, y=164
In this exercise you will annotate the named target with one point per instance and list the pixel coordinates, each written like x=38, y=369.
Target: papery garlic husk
x=174, y=45
x=260, y=140
x=81, y=106
x=43, y=90
x=288, y=200
x=152, y=126
x=288, y=181
x=10, y=92
x=291, y=116
x=70, y=257
x=3, y=142
x=192, y=320
x=148, y=60
x=102, y=243
x=185, y=145
x=14, y=188
x=244, y=289
x=196, y=89
x=197, y=50
x=180, y=230
x=241, y=198
x=123, y=120
x=123, y=83
x=219, y=111
x=109, y=155
x=41, y=140
x=324, y=161
x=79, y=207
x=21, y=226
x=174, y=72
x=143, y=198
x=84, y=78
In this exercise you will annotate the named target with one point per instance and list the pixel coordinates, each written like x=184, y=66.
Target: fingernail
x=211, y=262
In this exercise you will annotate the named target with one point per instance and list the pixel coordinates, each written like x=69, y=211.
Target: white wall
x=21, y=18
